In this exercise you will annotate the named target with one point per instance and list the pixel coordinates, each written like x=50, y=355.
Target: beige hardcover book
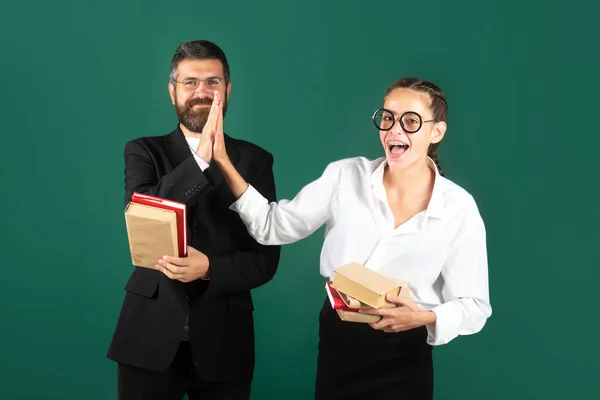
x=358, y=284
x=353, y=303
x=352, y=316
x=152, y=234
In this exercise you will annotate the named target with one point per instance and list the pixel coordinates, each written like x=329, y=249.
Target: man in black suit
x=187, y=326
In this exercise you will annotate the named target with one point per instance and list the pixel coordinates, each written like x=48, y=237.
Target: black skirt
x=357, y=362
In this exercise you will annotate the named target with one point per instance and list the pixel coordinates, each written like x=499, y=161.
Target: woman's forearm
x=234, y=180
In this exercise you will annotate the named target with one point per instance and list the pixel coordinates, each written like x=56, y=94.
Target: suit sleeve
x=181, y=184
x=241, y=271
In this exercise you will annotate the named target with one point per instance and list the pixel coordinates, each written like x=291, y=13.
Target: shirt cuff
x=201, y=163
x=446, y=326
x=249, y=204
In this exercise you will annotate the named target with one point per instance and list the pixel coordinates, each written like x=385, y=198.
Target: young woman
x=399, y=216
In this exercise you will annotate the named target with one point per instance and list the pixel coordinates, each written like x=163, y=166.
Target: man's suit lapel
x=177, y=146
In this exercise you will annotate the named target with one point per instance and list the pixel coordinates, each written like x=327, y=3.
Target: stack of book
x=355, y=287
x=156, y=227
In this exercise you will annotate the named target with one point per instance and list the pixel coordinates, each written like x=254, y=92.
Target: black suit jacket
x=151, y=322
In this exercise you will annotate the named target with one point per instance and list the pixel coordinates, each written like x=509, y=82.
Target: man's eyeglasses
x=193, y=84
x=410, y=121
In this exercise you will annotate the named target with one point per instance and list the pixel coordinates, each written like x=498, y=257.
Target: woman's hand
x=234, y=180
x=405, y=316
x=219, y=151
x=205, y=148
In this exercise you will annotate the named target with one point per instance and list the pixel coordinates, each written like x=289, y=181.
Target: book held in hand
x=155, y=227
x=355, y=287
x=365, y=285
x=341, y=305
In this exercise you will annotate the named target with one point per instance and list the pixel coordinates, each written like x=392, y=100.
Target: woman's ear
x=438, y=131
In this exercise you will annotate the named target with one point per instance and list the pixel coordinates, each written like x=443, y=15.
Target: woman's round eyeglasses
x=410, y=121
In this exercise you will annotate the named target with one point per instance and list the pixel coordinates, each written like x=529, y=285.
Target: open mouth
x=396, y=149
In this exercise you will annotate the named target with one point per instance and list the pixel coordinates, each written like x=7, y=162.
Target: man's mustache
x=203, y=100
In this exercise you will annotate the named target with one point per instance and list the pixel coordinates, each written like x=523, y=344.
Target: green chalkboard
x=81, y=78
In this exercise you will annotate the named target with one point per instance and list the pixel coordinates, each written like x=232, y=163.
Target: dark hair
x=198, y=50
x=438, y=106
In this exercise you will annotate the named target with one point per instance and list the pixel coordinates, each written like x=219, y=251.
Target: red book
x=336, y=301
x=178, y=208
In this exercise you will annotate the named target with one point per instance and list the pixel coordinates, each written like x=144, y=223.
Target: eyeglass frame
x=198, y=82
x=399, y=120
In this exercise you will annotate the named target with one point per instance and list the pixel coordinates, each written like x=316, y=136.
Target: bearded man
x=186, y=326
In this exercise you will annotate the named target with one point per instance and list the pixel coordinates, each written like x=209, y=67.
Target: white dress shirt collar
x=435, y=208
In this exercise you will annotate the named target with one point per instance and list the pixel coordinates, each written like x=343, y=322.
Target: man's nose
x=203, y=88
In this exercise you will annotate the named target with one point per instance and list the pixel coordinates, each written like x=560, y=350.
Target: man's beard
x=195, y=119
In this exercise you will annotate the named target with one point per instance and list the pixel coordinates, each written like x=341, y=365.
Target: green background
x=81, y=78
